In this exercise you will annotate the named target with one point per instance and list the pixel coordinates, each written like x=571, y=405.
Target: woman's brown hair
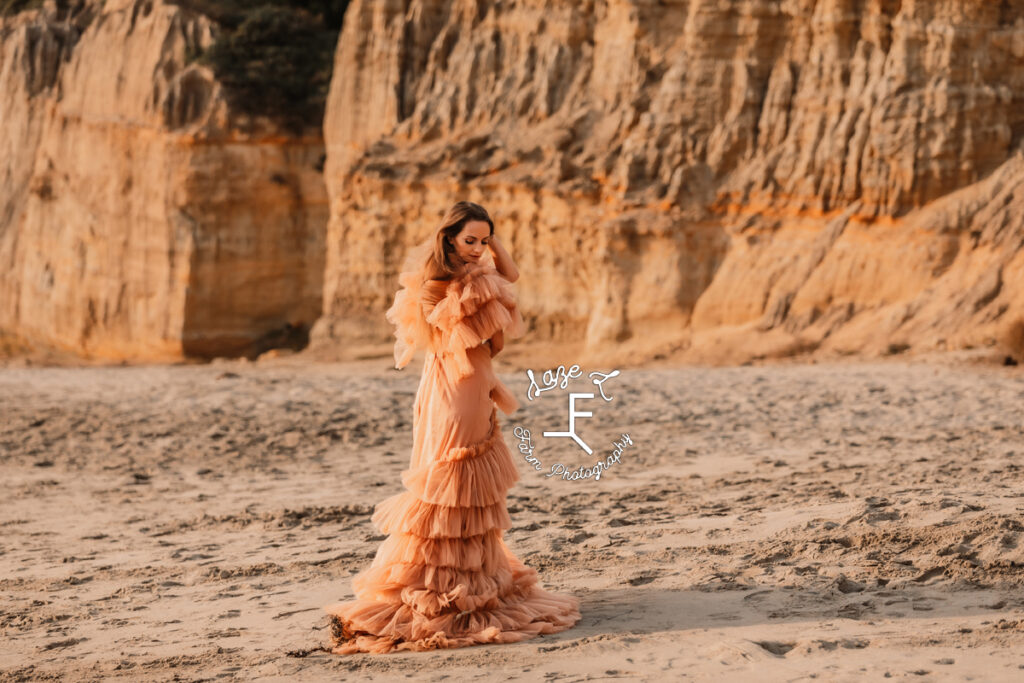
x=438, y=264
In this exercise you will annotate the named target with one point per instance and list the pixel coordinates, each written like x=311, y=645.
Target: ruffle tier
x=405, y=513
x=473, y=476
x=381, y=626
x=378, y=582
x=430, y=589
x=481, y=552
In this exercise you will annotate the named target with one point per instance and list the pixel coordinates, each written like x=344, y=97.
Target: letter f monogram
x=573, y=414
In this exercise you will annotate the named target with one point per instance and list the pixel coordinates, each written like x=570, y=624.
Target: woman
x=444, y=577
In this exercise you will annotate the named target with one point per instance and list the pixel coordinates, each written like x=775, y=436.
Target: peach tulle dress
x=444, y=577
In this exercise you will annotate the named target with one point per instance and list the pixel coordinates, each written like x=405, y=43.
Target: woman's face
x=471, y=242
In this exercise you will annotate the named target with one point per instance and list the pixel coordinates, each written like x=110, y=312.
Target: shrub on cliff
x=231, y=13
x=274, y=58
x=15, y=6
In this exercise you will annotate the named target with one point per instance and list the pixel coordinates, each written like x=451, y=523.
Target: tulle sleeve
x=475, y=307
x=412, y=331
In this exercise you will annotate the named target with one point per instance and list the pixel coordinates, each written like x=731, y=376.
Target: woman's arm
x=503, y=262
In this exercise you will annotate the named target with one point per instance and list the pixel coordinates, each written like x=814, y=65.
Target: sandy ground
x=829, y=521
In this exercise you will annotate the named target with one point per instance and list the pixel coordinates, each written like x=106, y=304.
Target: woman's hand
x=503, y=262
x=497, y=343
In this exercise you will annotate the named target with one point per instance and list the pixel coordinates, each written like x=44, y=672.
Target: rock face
x=721, y=180
x=137, y=219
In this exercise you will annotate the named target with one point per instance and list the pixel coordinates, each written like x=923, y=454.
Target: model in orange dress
x=444, y=577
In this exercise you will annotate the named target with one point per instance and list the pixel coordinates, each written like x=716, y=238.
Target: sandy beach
x=837, y=521
x=796, y=229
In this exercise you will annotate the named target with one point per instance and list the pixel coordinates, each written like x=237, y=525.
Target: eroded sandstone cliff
x=720, y=179
x=140, y=217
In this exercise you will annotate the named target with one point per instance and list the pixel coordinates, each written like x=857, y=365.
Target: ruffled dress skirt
x=444, y=577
